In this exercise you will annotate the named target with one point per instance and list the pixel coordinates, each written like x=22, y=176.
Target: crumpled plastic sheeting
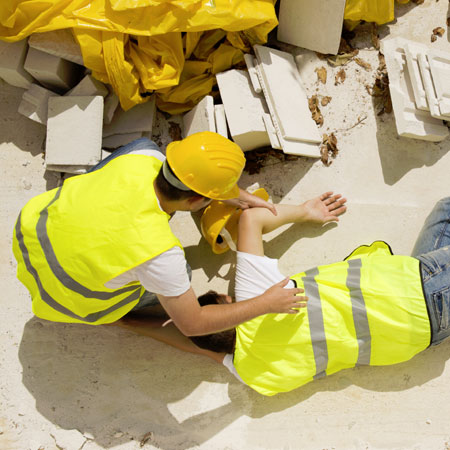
x=140, y=45
x=378, y=11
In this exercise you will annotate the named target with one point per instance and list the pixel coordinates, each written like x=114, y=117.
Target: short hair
x=220, y=342
x=171, y=192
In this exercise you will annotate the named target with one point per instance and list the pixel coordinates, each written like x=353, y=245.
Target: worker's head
x=216, y=342
x=206, y=164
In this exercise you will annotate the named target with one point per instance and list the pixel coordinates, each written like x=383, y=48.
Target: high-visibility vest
x=368, y=309
x=70, y=241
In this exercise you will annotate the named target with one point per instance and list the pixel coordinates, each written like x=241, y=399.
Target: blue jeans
x=148, y=298
x=433, y=250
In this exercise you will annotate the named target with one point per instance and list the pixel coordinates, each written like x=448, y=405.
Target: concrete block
x=221, y=120
x=430, y=90
x=200, y=118
x=12, y=59
x=89, y=86
x=119, y=140
x=137, y=119
x=74, y=131
x=315, y=25
x=285, y=96
x=274, y=141
x=110, y=105
x=412, y=50
x=51, y=71
x=410, y=121
x=250, y=62
x=59, y=43
x=440, y=71
x=34, y=104
x=244, y=109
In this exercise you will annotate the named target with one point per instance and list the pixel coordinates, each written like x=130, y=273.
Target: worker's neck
x=168, y=206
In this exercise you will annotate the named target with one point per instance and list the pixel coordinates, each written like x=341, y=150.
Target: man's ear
x=197, y=202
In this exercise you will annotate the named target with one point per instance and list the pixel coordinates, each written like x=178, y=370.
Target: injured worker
x=373, y=308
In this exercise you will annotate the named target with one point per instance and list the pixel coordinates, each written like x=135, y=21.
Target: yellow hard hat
x=207, y=163
x=219, y=223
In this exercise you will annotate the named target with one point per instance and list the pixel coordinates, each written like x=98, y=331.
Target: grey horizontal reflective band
x=63, y=277
x=173, y=180
x=359, y=311
x=316, y=325
x=90, y=318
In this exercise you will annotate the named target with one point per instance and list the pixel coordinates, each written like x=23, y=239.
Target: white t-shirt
x=166, y=274
x=254, y=275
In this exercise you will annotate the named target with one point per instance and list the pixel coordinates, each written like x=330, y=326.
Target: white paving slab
x=244, y=109
x=411, y=51
x=250, y=61
x=221, y=120
x=12, y=58
x=283, y=88
x=51, y=71
x=200, y=118
x=137, y=119
x=315, y=25
x=34, y=104
x=74, y=131
x=89, y=86
x=59, y=43
x=410, y=121
x=440, y=70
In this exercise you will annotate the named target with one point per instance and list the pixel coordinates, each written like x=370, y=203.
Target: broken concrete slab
x=410, y=121
x=89, y=86
x=200, y=118
x=285, y=96
x=313, y=25
x=34, y=104
x=274, y=141
x=110, y=105
x=12, y=59
x=250, y=62
x=430, y=90
x=137, y=119
x=412, y=50
x=59, y=43
x=244, y=109
x=221, y=120
x=74, y=131
x=51, y=71
x=440, y=70
x=119, y=140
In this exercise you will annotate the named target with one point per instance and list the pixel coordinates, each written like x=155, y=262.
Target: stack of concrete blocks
x=315, y=25
x=205, y=116
x=12, y=59
x=420, y=88
x=127, y=126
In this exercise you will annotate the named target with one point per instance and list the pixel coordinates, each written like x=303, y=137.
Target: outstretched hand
x=325, y=208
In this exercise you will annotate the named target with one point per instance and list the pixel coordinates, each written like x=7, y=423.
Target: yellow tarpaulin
x=139, y=45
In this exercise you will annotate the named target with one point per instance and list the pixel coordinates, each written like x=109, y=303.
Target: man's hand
x=325, y=208
x=247, y=200
x=284, y=301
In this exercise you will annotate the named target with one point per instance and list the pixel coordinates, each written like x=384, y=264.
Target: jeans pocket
x=441, y=302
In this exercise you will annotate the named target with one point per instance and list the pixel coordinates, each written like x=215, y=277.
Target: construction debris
x=340, y=77
x=380, y=89
x=328, y=148
x=321, y=74
x=313, y=103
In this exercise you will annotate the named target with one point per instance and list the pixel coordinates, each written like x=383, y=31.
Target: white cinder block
x=244, y=109
x=137, y=119
x=119, y=140
x=111, y=104
x=440, y=70
x=74, y=131
x=410, y=121
x=283, y=90
x=89, y=86
x=250, y=63
x=34, y=104
x=274, y=141
x=59, y=43
x=221, y=120
x=12, y=58
x=51, y=71
x=315, y=25
x=412, y=50
x=200, y=118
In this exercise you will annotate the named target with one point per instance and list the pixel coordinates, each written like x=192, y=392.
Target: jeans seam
x=444, y=229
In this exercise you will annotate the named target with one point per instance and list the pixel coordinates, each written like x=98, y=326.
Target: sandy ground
x=75, y=386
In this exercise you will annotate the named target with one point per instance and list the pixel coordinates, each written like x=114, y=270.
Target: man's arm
x=247, y=200
x=194, y=320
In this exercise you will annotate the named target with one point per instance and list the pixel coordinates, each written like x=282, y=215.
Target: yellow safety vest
x=70, y=241
x=368, y=309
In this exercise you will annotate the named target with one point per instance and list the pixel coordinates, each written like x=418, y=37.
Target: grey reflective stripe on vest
x=359, y=311
x=90, y=318
x=316, y=324
x=63, y=277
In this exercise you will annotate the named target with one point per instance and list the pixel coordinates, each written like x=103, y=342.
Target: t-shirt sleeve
x=166, y=274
